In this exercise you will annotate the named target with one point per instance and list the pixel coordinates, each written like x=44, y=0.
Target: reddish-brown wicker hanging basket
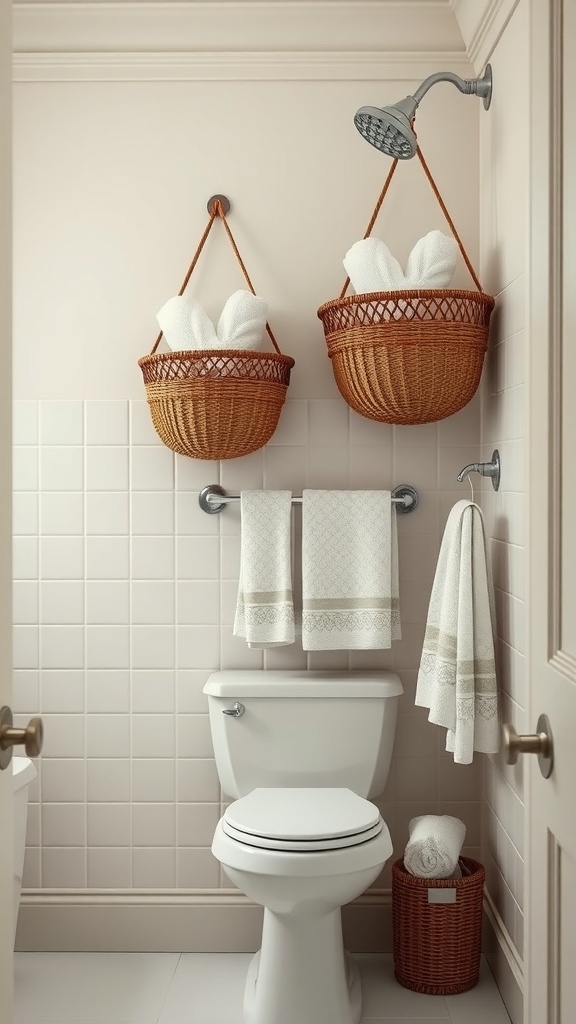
x=408, y=356
x=216, y=403
x=437, y=945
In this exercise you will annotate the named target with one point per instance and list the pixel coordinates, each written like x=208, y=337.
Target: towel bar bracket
x=213, y=499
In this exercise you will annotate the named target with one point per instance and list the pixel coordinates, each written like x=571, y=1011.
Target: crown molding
x=236, y=26
x=481, y=23
x=201, y=67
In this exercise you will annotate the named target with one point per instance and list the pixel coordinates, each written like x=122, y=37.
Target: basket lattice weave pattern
x=407, y=357
x=437, y=946
x=216, y=364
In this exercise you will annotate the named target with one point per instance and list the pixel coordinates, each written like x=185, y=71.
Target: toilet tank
x=333, y=729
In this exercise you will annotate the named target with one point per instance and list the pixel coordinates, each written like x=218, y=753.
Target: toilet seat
x=302, y=820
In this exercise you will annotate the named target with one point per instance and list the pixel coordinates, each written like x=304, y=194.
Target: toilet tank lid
x=264, y=683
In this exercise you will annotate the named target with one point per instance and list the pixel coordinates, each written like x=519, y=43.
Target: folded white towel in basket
x=434, y=846
x=349, y=571
x=371, y=266
x=265, y=610
x=186, y=325
x=457, y=677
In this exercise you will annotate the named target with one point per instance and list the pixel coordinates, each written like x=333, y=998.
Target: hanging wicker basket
x=216, y=403
x=408, y=357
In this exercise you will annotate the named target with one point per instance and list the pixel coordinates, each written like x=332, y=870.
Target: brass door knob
x=539, y=743
x=30, y=738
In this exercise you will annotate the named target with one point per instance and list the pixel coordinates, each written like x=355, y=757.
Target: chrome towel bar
x=213, y=498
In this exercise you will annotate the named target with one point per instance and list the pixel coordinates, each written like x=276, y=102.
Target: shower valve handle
x=30, y=738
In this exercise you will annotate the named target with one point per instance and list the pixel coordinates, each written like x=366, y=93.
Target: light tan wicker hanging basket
x=216, y=403
x=413, y=356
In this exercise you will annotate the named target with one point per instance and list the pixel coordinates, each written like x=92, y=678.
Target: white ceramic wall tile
x=197, y=646
x=25, y=558
x=107, y=647
x=61, y=423
x=63, y=824
x=197, y=780
x=153, y=824
x=197, y=823
x=198, y=558
x=62, y=558
x=108, y=736
x=152, y=512
x=293, y=425
x=153, y=691
x=109, y=869
x=189, y=688
x=63, y=736
x=61, y=469
x=327, y=469
x=107, y=558
x=107, y=602
x=107, y=691
x=141, y=427
x=108, y=824
x=62, y=692
x=153, y=868
x=24, y=422
x=194, y=736
x=26, y=691
x=107, y=468
x=25, y=602
x=197, y=869
x=153, y=779
x=198, y=603
x=106, y=422
x=64, y=868
x=152, y=602
x=62, y=602
x=152, y=469
x=108, y=780
x=191, y=520
x=63, y=780
x=25, y=513
x=107, y=513
x=153, y=647
x=152, y=558
x=153, y=736
x=62, y=513
x=328, y=422
x=25, y=469
x=62, y=646
x=194, y=474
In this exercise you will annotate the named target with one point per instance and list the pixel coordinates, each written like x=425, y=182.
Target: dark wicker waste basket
x=437, y=929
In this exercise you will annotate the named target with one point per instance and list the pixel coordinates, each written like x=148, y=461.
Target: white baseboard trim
x=189, y=922
x=504, y=960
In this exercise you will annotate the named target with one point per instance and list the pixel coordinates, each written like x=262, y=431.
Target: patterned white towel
x=457, y=677
x=265, y=610
x=349, y=571
x=434, y=846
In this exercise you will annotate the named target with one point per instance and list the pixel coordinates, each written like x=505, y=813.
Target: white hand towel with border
x=265, y=609
x=457, y=677
x=433, y=849
x=349, y=571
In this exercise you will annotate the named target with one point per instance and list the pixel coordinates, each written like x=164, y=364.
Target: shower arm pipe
x=214, y=499
x=469, y=86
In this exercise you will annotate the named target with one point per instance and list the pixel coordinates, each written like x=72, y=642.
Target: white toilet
x=300, y=752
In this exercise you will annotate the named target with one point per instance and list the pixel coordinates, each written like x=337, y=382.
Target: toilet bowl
x=302, y=854
x=302, y=752
x=23, y=773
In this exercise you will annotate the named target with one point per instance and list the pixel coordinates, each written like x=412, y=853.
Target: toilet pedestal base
x=302, y=974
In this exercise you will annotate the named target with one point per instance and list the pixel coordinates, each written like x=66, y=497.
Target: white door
x=550, y=970
x=6, y=842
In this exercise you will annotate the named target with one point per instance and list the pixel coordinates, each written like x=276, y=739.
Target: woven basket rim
x=227, y=353
x=416, y=293
x=476, y=869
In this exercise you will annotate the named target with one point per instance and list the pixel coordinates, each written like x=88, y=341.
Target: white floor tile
x=207, y=988
x=403, y=1020
x=382, y=995
x=482, y=1003
x=113, y=986
x=89, y=1020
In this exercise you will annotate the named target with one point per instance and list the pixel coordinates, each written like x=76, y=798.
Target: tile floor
x=206, y=988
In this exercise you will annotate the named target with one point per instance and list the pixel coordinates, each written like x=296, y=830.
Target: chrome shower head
x=390, y=130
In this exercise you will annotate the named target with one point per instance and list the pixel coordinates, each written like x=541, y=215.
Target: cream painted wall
x=503, y=219
x=125, y=591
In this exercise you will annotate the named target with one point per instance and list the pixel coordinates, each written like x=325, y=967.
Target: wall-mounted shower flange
x=491, y=469
x=224, y=203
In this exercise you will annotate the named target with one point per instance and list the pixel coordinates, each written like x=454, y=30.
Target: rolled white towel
x=371, y=267
x=432, y=262
x=433, y=849
x=185, y=325
x=242, y=322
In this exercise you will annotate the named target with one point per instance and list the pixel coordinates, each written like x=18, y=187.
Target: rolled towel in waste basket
x=434, y=846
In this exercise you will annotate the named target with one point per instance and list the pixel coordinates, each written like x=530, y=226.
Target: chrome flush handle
x=237, y=710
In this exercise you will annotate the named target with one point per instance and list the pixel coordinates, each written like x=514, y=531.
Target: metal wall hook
x=491, y=469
